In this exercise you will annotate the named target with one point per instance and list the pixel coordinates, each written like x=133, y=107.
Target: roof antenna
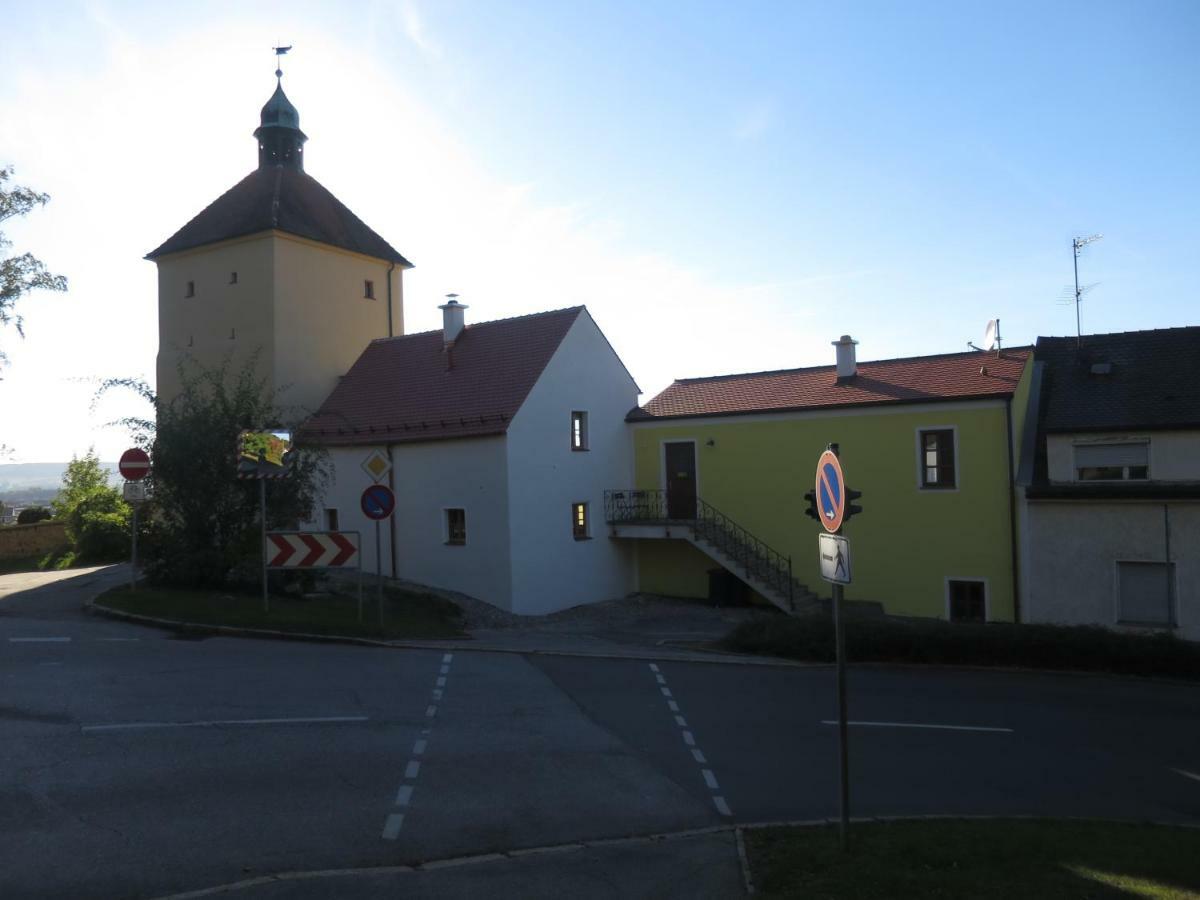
x=279, y=51
x=1078, y=244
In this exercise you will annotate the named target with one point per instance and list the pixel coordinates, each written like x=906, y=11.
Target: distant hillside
x=21, y=478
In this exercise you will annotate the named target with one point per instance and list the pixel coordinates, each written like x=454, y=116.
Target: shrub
x=33, y=514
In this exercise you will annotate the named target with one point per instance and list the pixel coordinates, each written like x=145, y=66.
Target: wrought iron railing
x=759, y=560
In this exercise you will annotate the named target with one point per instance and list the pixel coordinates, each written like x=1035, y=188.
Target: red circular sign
x=830, y=491
x=134, y=464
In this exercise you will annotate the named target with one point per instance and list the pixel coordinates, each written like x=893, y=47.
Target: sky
x=727, y=187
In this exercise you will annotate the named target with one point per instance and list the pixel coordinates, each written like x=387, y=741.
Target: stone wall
x=38, y=539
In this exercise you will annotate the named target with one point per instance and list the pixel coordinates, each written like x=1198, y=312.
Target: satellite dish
x=991, y=335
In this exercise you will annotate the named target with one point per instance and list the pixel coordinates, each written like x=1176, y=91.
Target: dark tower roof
x=278, y=195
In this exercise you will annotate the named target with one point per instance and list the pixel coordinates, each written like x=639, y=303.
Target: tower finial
x=279, y=51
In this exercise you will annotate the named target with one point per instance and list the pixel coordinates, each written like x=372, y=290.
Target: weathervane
x=279, y=51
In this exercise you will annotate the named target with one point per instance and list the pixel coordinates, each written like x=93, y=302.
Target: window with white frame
x=1144, y=591
x=579, y=430
x=938, y=469
x=1124, y=461
x=456, y=526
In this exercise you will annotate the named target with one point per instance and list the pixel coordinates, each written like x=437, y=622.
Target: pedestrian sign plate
x=835, y=558
x=830, y=491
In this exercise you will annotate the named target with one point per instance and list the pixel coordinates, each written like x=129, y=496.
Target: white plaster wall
x=550, y=569
x=1072, y=552
x=1174, y=455
x=427, y=478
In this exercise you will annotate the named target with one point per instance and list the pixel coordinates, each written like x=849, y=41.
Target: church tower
x=276, y=269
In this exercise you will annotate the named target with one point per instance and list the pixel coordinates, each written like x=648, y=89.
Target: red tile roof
x=402, y=389
x=917, y=379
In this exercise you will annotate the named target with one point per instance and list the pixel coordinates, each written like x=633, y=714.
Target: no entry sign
x=378, y=501
x=134, y=464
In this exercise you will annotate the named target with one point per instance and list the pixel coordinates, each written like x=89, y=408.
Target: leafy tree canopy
x=20, y=274
x=96, y=517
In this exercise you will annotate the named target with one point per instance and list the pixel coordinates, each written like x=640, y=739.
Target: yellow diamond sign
x=377, y=465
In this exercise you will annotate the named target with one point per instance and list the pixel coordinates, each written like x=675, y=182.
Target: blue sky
x=728, y=187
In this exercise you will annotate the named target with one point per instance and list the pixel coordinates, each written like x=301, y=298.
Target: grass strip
x=1041, y=859
x=869, y=639
x=405, y=615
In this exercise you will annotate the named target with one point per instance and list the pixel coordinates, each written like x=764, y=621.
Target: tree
x=203, y=522
x=20, y=274
x=33, y=514
x=96, y=517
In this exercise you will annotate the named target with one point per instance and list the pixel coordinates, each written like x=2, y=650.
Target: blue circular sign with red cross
x=830, y=491
x=378, y=501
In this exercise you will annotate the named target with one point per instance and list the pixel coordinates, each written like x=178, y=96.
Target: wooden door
x=680, y=460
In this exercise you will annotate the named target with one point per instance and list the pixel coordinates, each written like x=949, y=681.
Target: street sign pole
x=378, y=569
x=262, y=514
x=839, y=639
x=133, y=555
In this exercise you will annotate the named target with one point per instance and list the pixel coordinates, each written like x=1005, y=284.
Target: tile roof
x=1153, y=380
x=278, y=197
x=402, y=391
x=917, y=379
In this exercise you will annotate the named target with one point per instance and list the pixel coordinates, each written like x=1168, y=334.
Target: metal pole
x=262, y=514
x=1078, y=329
x=843, y=738
x=379, y=568
x=133, y=557
x=360, y=571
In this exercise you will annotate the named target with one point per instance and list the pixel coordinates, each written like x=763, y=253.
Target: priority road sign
x=835, y=558
x=377, y=465
x=134, y=464
x=312, y=549
x=378, y=501
x=830, y=491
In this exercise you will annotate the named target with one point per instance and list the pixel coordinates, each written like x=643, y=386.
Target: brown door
x=680, y=459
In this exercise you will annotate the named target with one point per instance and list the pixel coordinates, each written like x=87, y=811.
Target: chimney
x=847, y=367
x=452, y=319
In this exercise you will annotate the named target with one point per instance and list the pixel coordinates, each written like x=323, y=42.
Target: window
x=369, y=290
x=1144, y=593
x=937, y=459
x=331, y=520
x=967, y=601
x=579, y=521
x=233, y=277
x=456, y=526
x=579, y=431
x=1128, y=461
x=190, y=290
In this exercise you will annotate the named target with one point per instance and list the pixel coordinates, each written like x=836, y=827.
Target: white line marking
x=391, y=828
x=710, y=779
x=56, y=663
x=419, y=747
x=437, y=694
x=672, y=706
x=722, y=806
x=653, y=667
x=698, y=756
x=39, y=640
x=431, y=711
x=413, y=769
x=129, y=726
x=404, y=795
x=666, y=692
x=660, y=679
x=919, y=725
x=689, y=739
x=448, y=657
x=113, y=640
x=681, y=721
x=1187, y=774
x=441, y=682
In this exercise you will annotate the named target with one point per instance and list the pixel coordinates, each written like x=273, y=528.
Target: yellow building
x=276, y=269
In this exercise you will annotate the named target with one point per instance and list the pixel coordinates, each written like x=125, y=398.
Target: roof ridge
x=833, y=366
x=1108, y=334
x=471, y=325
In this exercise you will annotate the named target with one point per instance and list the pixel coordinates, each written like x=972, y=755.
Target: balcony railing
x=759, y=560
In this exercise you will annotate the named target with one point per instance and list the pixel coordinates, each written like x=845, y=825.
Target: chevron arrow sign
x=312, y=550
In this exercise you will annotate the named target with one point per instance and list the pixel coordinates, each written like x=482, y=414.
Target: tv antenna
x=1077, y=244
x=991, y=337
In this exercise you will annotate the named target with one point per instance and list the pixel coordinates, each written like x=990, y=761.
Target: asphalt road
x=137, y=764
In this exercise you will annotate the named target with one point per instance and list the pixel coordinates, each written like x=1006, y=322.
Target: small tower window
x=190, y=291
x=233, y=277
x=369, y=290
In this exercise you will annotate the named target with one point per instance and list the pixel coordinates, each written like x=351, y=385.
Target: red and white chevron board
x=312, y=550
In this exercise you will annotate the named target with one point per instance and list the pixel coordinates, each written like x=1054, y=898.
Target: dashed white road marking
x=404, y=794
x=39, y=640
x=391, y=828
x=430, y=711
x=666, y=692
x=660, y=679
x=673, y=706
x=419, y=747
x=922, y=725
x=722, y=806
x=441, y=682
x=710, y=779
x=681, y=722
x=1186, y=774
x=119, y=640
x=413, y=769
x=653, y=667
x=215, y=723
x=689, y=739
x=698, y=756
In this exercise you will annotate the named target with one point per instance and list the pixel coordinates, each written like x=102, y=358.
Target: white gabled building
x=502, y=437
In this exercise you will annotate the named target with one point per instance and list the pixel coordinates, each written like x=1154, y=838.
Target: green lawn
x=406, y=614
x=991, y=860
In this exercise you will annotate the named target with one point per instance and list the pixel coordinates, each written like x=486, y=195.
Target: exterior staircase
x=644, y=514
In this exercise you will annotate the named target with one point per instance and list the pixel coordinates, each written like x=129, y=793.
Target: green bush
x=33, y=514
x=1088, y=648
x=103, y=536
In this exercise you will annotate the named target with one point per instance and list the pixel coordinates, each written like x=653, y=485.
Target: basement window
x=579, y=430
x=936, y=448
x=579, y=521
x=456, y=526
x=967, y=600
x=190, y=290
x=369, y=290
x=1128, y=461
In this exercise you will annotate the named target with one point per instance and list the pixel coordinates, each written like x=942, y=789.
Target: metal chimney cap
x=845, y=339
